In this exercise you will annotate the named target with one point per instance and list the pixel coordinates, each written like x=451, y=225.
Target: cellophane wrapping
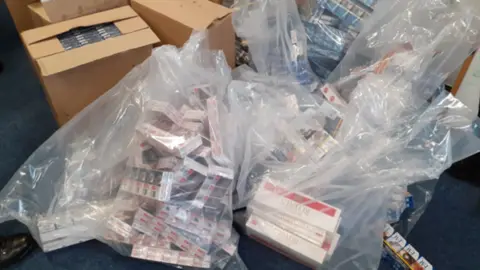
x=276, y=39
x=325, y=203
x=148, y=168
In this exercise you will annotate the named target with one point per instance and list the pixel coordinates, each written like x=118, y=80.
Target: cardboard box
x=38, y=14
x=61, y=10
x=174, y=21
x=73, y=78
x=20, y=13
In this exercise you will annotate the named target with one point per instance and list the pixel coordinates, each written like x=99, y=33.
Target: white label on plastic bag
x=396, y=242
x=284, y=240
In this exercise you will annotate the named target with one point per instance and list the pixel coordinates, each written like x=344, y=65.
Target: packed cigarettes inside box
x=174, y=200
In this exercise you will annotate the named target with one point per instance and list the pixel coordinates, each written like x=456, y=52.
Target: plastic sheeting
x=397, y=129
x=148, y=168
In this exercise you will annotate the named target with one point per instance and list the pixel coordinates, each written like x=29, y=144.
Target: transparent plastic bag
x=290, y=107
x=174, y=203
x=148, y=168
x=331, y=27
x=397, y=130
x=276, y=39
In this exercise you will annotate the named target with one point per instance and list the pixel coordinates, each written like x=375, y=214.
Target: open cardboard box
x=75, y=77
x=61, y=10
x=174, y=20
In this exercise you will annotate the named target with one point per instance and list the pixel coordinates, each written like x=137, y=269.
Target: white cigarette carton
x=297, y=205
x=284, y=241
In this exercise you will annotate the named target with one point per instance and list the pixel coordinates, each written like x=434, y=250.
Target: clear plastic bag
x=329, y=209
x=331, y=27
x=289, y=107
x=276, y=39
x=148, y=168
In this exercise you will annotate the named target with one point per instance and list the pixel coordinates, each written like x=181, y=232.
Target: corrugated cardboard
x=20, y=13
x=61, y=10
x=39, y=16
x=73, y=79
x=174, y=21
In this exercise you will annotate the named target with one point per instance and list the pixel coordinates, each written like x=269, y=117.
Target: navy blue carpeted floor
x=448, y=234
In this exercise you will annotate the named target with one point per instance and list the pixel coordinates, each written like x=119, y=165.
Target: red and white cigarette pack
x=298, y=205
x=294, y=223
x=216, y=140
x=298, y=227
x=287, y=242
x=169, y=256
x=331, y=94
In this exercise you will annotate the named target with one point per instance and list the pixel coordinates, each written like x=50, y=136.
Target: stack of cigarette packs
x=293, y=223
x=399, y=254
x=174, y=203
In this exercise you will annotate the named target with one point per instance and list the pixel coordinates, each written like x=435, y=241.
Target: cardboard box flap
x=70, y=59
x=196, y=14
x=52, y=46
x=42, y=33
x=37, y=7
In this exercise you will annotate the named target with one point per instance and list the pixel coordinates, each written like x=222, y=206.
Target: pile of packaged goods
x=155, y=167
x=324, y=204
x=174, y=200
x=148, y=168
x=399, y=254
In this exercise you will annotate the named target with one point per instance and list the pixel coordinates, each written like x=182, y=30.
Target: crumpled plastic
x=148, y=168
x=328, y=208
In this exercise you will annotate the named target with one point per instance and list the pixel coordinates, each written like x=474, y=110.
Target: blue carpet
x=448, y=234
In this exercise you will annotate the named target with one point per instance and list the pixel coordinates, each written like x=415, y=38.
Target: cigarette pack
x=169, y=256
x=297, y=205
x=216, y=140
x=62, y=230
x=289, y=243
x=288, y=223
x=401, y=255
x=331, y=94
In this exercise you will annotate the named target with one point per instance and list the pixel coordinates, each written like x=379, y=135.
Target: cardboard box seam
x=136, y=4
x=43, y=65
x=92, y=44
x=80, y=22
